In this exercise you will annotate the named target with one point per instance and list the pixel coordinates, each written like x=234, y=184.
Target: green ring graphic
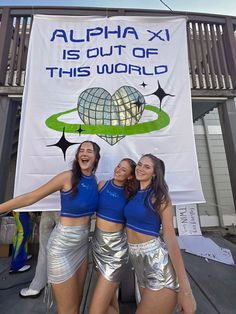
x=145, y=127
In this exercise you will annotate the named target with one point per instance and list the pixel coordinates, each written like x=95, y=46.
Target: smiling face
x=86, y=158
x=122, y=172
x=144, y=171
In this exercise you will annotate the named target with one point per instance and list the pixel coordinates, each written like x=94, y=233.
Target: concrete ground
x=213, y=284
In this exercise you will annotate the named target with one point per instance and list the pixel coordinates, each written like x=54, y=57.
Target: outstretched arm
x=186, y=301
x=59, y=182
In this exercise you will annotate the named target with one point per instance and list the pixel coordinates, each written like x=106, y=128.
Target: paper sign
x=188, y=220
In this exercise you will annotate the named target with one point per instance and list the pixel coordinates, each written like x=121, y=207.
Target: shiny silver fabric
x=152, y=265
x=110, y=253
x=67, y=248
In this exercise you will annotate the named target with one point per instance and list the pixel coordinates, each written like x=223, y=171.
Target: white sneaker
x=29, y=293
x=21, y=270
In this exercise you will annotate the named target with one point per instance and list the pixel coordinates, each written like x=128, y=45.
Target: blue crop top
x=111, y=202
x=140, y=218
x=84, y=203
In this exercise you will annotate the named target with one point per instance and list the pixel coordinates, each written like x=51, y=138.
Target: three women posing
x=157, y=264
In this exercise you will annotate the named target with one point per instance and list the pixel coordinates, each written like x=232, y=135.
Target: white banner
x=122, y=82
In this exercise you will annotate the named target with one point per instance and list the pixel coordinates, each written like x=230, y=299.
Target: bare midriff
x=68, y=221
x=108, y=226
x=135, y=237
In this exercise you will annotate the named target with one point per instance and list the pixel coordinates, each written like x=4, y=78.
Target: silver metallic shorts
x=152, y=266
x=110, y=253
x=67, y=248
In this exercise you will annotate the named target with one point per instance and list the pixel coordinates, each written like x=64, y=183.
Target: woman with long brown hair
x=68, y=243
x=109, y=243
x=158, y=264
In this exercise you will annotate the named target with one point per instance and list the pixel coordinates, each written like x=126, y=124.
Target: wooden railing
x=211, y=43
x=208, y=61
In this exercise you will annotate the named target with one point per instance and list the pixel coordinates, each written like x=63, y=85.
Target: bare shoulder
x=65, y=179
x=101, y=184
x=58, y=182
x=66, y=174
x=63, y=176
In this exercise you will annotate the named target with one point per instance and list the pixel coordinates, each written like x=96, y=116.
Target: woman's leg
x=104, y=299
x=81, y=277
x=157, y=302
x=68, y=295
x=114, y=304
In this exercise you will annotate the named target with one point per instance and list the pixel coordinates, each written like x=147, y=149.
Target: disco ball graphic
x=96, y=106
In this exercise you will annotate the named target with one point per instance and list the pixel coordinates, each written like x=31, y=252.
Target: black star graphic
x=138, y=103
x=80, y=130
x=143, y=84
x=63, y=144
x=160, y=93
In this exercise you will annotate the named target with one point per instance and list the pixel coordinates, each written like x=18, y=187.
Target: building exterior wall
x=219, y=207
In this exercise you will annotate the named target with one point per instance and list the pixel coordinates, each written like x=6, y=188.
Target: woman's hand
x=186, y=303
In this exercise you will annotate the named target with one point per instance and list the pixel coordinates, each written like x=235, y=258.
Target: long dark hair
x=158, y=189
x=76, y=170
x=131, y=184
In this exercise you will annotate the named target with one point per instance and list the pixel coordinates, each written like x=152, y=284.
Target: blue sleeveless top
x=111, y=202
x=142, y=219
x=84, y=203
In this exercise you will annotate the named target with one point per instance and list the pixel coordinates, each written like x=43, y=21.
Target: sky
x=226, y=7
